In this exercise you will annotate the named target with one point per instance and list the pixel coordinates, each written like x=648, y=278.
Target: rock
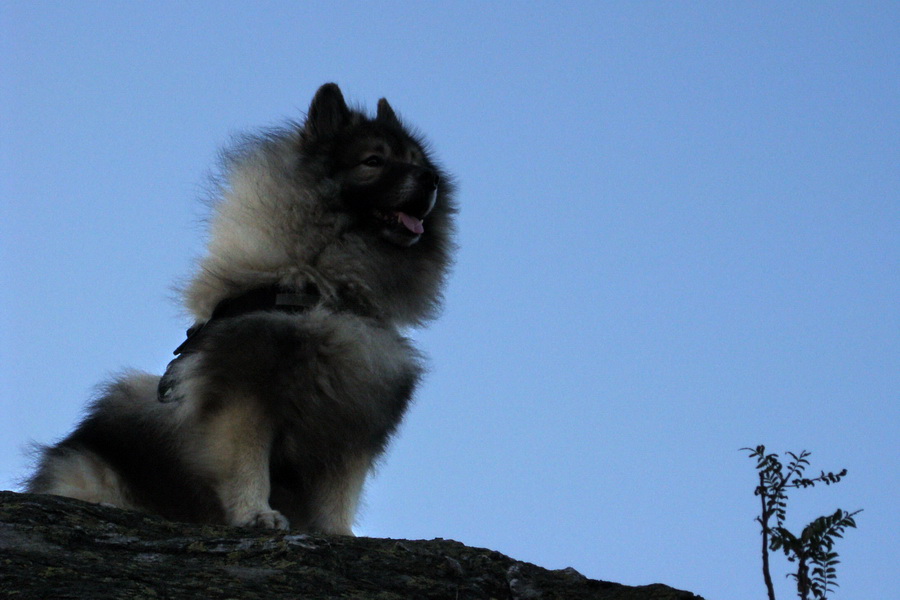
x=56, y=548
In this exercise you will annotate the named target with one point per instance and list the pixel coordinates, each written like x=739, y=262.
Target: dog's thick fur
x=275, y=417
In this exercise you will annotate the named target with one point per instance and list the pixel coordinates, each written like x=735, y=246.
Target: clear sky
x=680, y=236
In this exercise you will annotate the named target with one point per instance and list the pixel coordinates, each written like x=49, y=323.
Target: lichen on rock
x=56, y=548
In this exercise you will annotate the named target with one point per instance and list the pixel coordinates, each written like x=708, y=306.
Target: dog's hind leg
x=233, y=446
x=78, y=473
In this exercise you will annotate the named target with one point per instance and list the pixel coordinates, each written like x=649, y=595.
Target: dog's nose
x=429, y=178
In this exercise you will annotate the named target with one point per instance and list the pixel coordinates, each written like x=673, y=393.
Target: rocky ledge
x=54, y=548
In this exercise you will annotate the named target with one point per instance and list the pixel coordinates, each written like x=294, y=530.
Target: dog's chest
x=340, y=371
x=318, y=374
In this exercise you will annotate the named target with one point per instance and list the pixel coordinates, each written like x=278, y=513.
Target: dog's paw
x=268, y=519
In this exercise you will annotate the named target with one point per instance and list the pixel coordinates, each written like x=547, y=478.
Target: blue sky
x=680, y=236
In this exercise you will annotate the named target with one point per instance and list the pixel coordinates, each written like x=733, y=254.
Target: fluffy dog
x=327, y=240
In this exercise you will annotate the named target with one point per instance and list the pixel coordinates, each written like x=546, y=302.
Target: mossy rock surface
x=52, y=548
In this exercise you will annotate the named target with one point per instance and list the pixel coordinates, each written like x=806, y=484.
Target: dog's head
x=351, y=200
x=383, y=172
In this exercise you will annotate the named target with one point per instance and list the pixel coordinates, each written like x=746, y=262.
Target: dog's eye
x=373, y=161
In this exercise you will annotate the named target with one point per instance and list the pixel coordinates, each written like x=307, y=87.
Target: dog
x=328, y=239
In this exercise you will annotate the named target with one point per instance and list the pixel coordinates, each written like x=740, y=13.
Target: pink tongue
x=411, y=223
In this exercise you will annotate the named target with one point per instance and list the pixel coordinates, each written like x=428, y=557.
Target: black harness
x=267, y=298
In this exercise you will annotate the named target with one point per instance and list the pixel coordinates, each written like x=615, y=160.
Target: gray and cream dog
x=328, y=239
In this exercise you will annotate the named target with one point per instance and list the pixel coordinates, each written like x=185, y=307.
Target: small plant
x=813, y=549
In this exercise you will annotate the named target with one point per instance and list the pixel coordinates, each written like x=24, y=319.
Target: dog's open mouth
x=403, y=223
x=398, y=220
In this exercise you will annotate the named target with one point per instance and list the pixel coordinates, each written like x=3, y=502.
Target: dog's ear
x=328, y=112
x=386, y=114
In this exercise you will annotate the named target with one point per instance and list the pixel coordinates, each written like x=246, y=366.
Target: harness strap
x=272, y=297
x=267, y=298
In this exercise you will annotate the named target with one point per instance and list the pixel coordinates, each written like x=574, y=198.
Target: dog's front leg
x=236, y=443
x=336, y=496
